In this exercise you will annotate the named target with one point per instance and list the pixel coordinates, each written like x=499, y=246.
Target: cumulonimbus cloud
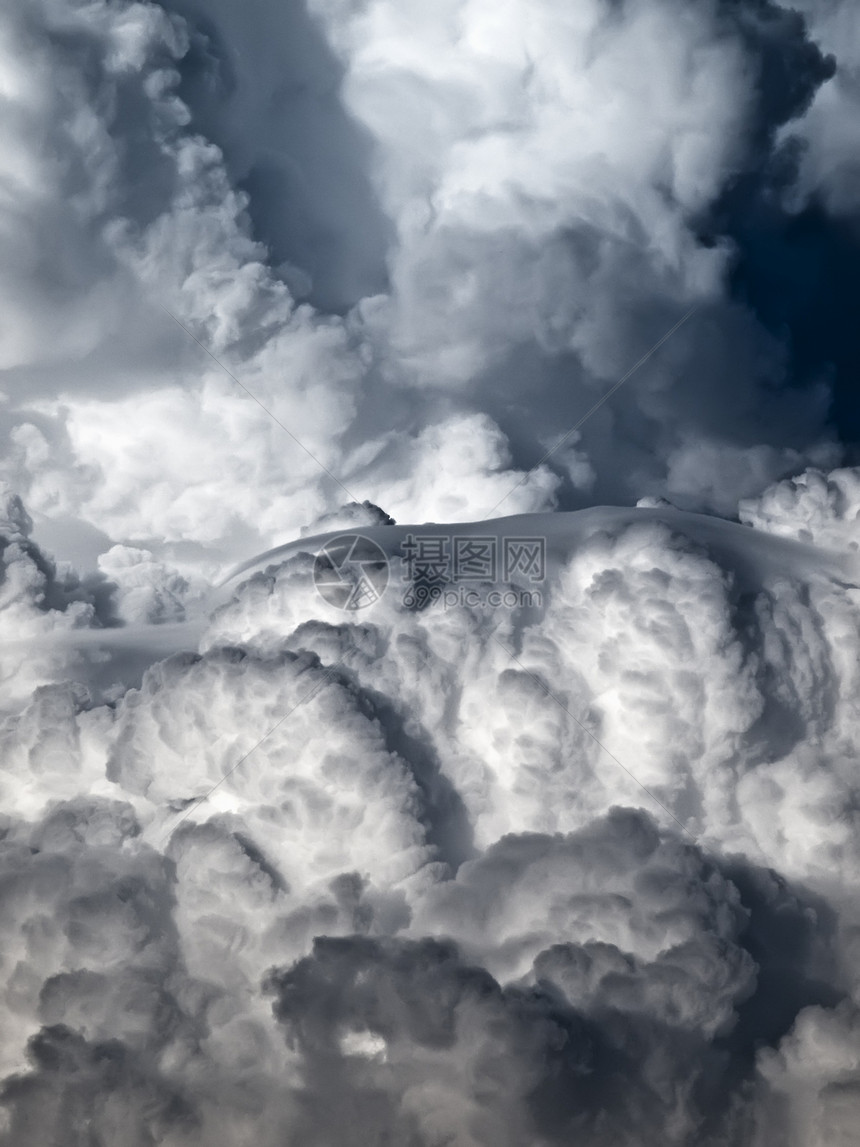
x=368, y=876
x=579, y=865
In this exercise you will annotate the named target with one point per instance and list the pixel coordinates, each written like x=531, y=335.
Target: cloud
x=418, y=1042
x=812, y=1095
x=341, y=876
x=813, y=507
x=699, y=668
x=40, y=601
x=512, y=240
x=829, y=131
x=443, y=871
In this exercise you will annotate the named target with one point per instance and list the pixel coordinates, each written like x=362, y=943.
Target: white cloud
x=395, y=775
x=271, y=870
x=813, y=507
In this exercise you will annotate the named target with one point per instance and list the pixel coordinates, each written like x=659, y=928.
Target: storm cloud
x=571, y=857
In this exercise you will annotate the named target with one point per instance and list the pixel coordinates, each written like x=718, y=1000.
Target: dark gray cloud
x=395, y=1039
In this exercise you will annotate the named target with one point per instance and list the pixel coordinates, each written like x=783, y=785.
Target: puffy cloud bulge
x=275, y=872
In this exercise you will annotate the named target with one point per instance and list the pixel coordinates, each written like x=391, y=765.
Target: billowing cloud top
x=536, y=824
